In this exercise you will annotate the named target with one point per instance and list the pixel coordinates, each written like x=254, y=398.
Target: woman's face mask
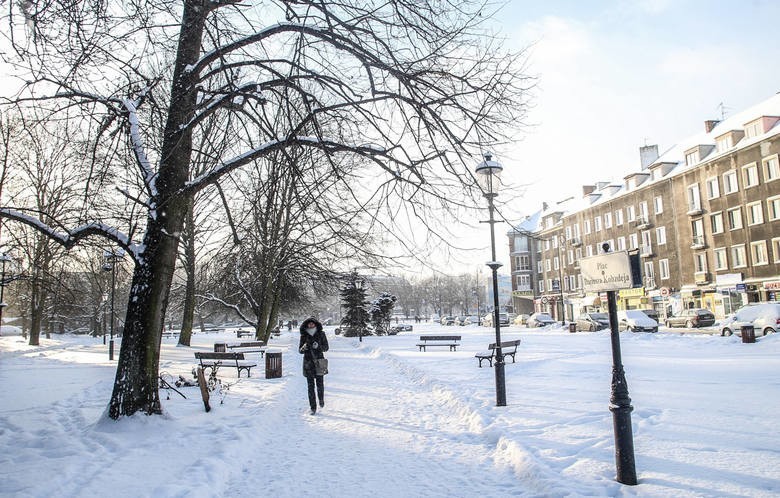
x=311, y=330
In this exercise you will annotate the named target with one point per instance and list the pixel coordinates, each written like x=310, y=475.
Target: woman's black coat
x=309, y=353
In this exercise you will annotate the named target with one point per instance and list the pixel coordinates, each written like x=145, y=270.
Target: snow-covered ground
x=399, y=422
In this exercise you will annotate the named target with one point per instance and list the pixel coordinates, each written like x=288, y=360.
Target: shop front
x=633, y=299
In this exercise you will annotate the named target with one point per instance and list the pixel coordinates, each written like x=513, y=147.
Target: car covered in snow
x=539, y=320
x=636, y=321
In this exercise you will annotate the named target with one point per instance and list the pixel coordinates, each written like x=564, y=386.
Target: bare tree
x=415, y=87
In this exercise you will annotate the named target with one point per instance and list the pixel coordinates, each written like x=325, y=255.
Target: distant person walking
x=312, y=345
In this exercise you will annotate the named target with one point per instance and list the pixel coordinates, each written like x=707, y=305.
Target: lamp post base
x=111, y=350
x=500, y=382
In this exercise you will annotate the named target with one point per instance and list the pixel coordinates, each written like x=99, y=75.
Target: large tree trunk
x=188, y=313
x=136, y=384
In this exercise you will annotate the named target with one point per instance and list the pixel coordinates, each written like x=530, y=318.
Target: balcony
x=575, y=241
x=646, y=251
x=697, y=242
x=702, y=277
x=642, y=223
x=649, y=283
x=694, y=209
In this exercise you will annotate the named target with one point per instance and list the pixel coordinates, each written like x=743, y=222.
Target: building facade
x=704, y=218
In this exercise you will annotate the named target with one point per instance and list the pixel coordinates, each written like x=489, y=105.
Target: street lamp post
x=561, y=241
x=111, y=258
x=5, y=258
x=488, y=175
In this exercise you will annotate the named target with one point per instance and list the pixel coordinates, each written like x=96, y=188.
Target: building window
x=660, y=235
x=521, y=244
x=700, y=262
x=589, y=250
x=697, y=232
x=547, y=265
x=776, y=249
x=556, y=263
x=663, y=269
x=571, y=257
x=568, y=233
x=576, y=230
x=523, y=282
x=538, y=266
x=621, y=243
x=587, y=227
x=716, y=222
x=724, y=143
x=713, y=188
x=730, y=184
x=633, y=241
x=692, y=157
x=735, y=218
x=597, y=224
x=721, y=263
x=611, y=244
x=694, y=200
x=523, y=263
x=755, y=214
x=631, y=213
x=773, y=208
x=649, y=274
x=578, y=253
x=738, y=259
x=658, y=204
x=753, y=129
x=643, y=211
x=547, y=244
x=541, y=285
x=750, y=175
x=607, y=220
x=758, y=254
x=771, y=168
x=618, y=217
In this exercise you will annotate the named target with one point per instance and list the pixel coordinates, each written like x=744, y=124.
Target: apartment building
x=704, y=218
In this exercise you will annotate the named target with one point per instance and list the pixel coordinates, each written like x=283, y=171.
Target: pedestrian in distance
x=312, y=346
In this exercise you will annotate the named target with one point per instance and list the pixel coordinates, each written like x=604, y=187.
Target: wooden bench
x=248, y=347
x=216, y=360
x=450, y=341
x=241, y=333
x=508, y=348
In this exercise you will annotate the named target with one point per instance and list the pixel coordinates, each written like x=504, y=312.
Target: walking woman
x=312, y=345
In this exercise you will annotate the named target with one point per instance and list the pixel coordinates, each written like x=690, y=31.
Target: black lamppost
x=561, y=241
x=5, y=258
x=111, y=259
x=488, y=175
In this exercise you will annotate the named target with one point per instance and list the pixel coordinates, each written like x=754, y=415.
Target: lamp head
x=489, y=175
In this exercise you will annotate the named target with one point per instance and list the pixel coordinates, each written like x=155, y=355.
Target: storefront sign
x=606, y=272
x=772, y=285
x=638, y=292
x=523, y=293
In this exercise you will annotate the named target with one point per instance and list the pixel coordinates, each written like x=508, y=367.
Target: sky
x=616, y=75
x=398, y=422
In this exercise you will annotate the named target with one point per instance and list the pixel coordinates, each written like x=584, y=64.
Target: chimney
x=647, y=155
x=710, y=124
x=588, y=189
x=544, y=206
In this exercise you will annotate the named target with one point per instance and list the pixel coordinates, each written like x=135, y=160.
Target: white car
x=539, y=320
x=764, y=317
x=636, y=321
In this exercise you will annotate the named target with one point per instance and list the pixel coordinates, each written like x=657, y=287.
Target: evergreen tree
x=381, y=312
x=353, y=297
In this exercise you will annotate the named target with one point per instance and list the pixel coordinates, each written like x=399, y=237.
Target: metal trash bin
x=220, y=347
x=273, y=365
x=573, y=327
x=748, y=333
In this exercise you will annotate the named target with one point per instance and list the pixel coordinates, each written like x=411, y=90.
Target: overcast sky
x=616, y=75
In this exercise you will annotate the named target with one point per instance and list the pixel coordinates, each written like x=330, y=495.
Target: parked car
x=764, y=317
x=591, y=322
x=539, y=320
x=636, y=321
x=399, y=327
x=471, y=319
x=448, y=320
x=520, y=319
x=460, y=320
x=696, y=317
x=651, y=314
x=503, y=319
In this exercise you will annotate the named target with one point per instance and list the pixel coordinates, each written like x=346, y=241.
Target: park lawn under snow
x=399, y=422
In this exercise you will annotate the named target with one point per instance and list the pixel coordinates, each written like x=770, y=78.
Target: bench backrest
x=218, y=356
x=506, y=344
x=439, y=337
x=251, y=344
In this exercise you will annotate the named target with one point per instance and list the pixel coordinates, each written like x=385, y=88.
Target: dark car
x=399, y=327
x=591, y=322
x=697, y=317
x=651, y=314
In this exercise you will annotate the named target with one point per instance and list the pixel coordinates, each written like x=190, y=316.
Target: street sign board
x=606, y=272
x=664, y=291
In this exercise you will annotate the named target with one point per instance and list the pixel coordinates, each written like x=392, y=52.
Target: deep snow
x=399, y=422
